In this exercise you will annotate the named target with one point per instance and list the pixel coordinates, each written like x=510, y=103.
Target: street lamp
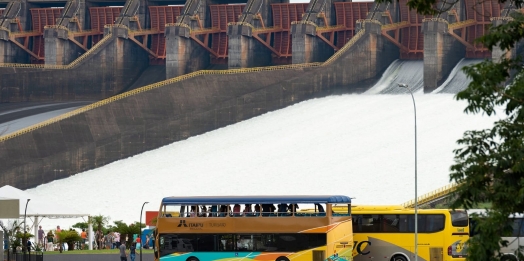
x=25, y=226
x=403, y=85
x=140, y=228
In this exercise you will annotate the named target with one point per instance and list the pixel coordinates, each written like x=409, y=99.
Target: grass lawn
x=94, y=252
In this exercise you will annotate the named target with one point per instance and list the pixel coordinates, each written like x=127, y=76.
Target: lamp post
x=25, y=226
x=403, y=85
x=140, y=228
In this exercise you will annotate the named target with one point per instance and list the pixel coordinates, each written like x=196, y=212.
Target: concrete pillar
x=307, y=47
x=442, y=52
x=58, y=49
x=183, y=55
x=7, y=49
x=244, y=51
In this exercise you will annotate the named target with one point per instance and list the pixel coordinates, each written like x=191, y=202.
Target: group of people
x=111, y=240
x=47, y=241
x=258, y=210
x=133, y=248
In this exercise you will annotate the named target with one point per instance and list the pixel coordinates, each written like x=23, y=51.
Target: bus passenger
x=214, y=210
x=265, y=210
x=247, y=210
x=204, y=212
x=223, y=211
x=236, y=210
x=257, y=210
x=282, y=209
x=193, y=212
x=293, y=208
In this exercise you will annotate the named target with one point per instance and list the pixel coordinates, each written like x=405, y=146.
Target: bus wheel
x=282, y=258
x=399, y=258
x=508, y=258
x=192, y=259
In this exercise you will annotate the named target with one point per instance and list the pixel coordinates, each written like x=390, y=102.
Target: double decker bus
x=388, y=233
x=253, y=228
x=509, y=252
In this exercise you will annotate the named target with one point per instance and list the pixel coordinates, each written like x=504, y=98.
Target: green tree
x=489, y=163
x=81, y=225
x=70, y=237
x=126, y=231
x=99, y=222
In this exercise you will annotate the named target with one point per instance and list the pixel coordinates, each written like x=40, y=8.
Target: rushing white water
x=358, y=145
x=457, y=80
x=400, y=71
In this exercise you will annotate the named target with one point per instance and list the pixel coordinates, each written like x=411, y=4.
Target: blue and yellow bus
x=253, y=228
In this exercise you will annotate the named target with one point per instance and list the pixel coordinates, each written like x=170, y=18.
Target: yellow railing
x=162, y=83
x=241, y=23
x=431, y=196
x=329, y=28
x=461, y=23
x=503, y=18
x=393, y=26
x=348, y=45
x=434, y=19
x=304, y=22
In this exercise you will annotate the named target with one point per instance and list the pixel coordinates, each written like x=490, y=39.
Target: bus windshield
x=253, y=227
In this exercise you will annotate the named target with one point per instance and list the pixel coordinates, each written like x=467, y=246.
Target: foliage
x=127, y=231
x=69, y=237
x=81, y=225
x=99, y=222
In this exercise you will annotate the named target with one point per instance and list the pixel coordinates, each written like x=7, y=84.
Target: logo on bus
x=190, y=225
x=357, y=246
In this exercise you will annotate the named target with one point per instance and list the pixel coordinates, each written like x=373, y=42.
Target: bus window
x=459, y=218
x=434, y=223
x=391, y=223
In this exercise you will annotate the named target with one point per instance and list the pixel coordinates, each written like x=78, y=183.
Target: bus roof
x=210, y=200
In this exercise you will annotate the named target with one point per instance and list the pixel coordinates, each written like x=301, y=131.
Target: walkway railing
x=439, y=193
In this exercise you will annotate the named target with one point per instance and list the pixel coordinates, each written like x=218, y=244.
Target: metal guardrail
x=503, y=18
x=394, y=26
x=461, y=23
x=431, y=196
x=162, y=83
x=342, y=50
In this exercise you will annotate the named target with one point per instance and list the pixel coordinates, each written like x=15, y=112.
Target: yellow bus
x=253, y=228
x=388, y=234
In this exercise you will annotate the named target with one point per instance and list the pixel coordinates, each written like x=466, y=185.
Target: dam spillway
x=273, y=55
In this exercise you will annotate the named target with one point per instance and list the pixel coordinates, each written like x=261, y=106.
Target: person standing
x=123, y=254
x=50, y=238
x=58, y=230
x=41, y=235
x=83, y=235
x=117, y=239
x=132, y=251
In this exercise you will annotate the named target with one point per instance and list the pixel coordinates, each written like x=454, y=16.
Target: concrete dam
x=164, y=71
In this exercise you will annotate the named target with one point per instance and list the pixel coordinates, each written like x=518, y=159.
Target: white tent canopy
x=39, y=207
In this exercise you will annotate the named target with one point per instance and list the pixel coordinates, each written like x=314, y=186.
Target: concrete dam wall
x=178, y=108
